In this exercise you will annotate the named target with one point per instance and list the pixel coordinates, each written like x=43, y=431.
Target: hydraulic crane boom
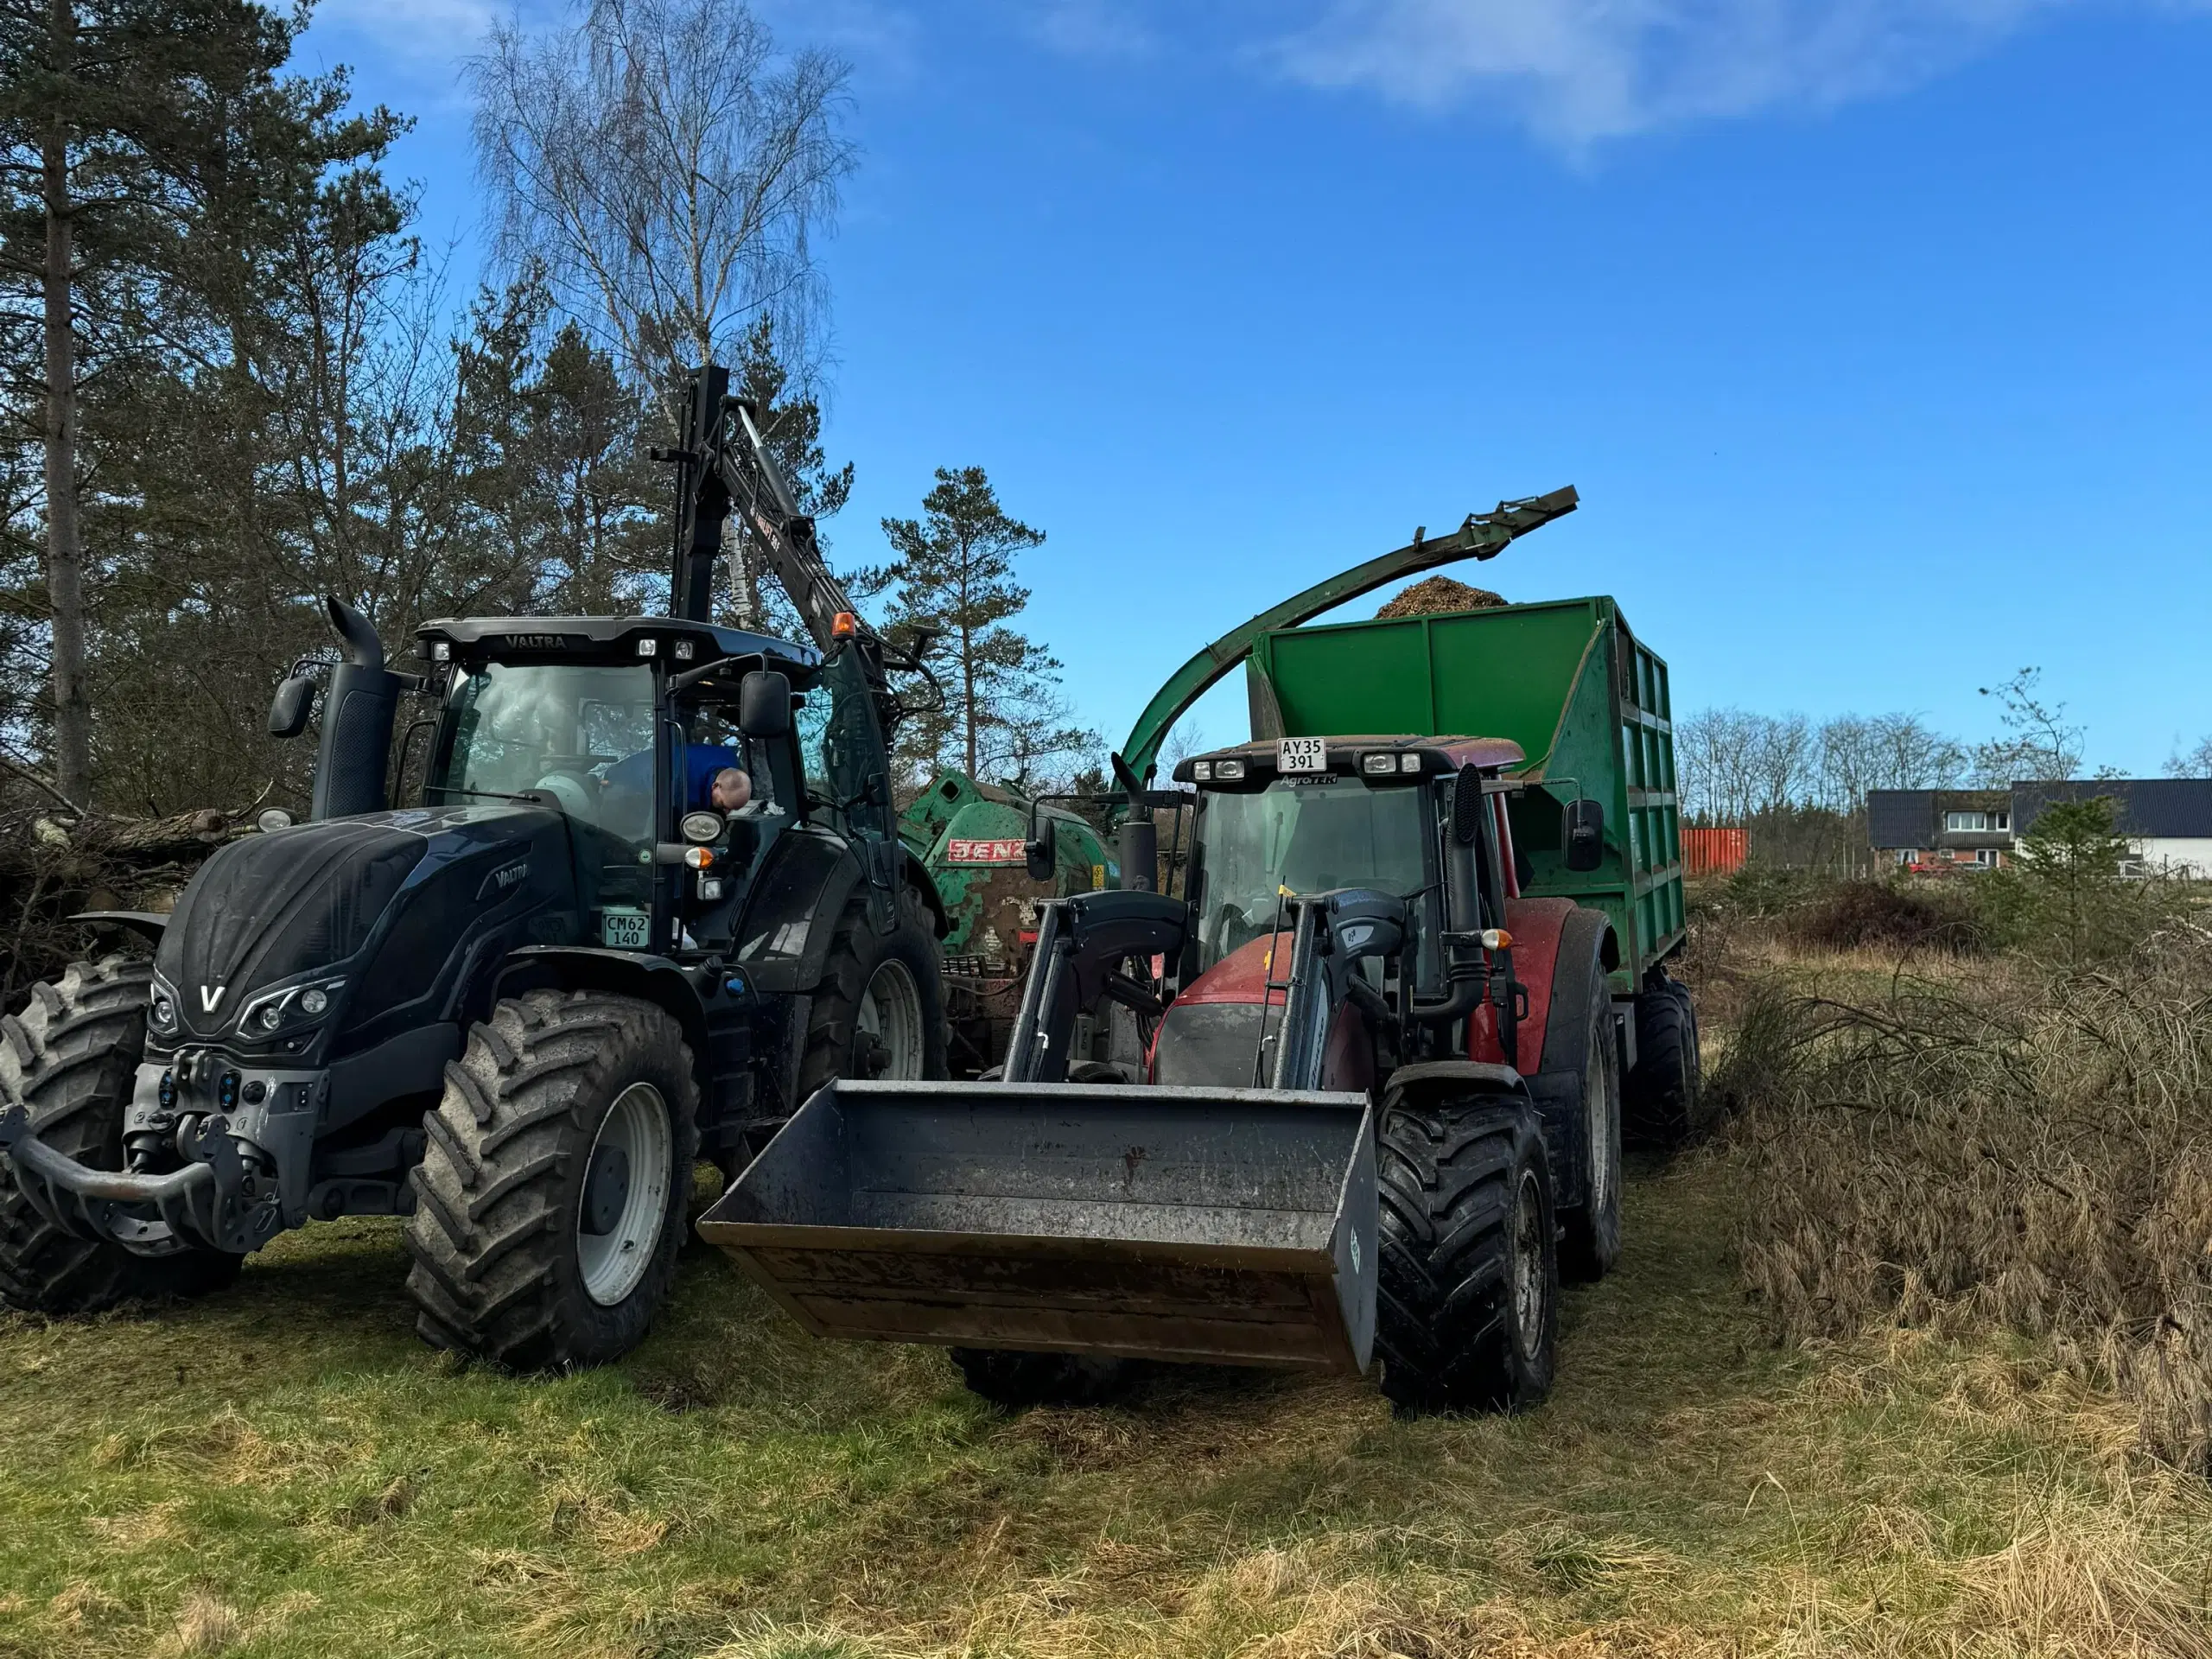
x=725, y=466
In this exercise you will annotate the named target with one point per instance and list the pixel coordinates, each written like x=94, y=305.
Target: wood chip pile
x=1438, y=595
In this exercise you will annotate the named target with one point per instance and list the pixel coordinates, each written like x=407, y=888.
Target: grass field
x=285, y=1470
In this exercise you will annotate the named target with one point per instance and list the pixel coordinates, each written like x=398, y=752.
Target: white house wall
x=2176, y=855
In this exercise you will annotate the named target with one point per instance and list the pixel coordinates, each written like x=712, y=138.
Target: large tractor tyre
x=879, y=1009
x=1468, y=1317
x=1662, y=1095
x=1590, y=1234
x=1015, y=1381
x=67, y=1060
x=550, y=1200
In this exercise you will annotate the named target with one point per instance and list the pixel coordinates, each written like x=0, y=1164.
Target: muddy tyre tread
x=1662, y=1097
x=833, y=1016
x=68, y=1058
x=1590, y=1239
x=493, y=1274
x=1447, y=1173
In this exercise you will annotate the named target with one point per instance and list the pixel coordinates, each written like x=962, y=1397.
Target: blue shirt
x=702, y=762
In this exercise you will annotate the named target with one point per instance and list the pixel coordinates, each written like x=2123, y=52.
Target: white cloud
x=1091, y=28
x=1583, y=70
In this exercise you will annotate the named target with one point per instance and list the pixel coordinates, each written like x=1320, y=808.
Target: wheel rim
x=613, y=1262
x=1603, y=1109
x=1529, y=1263
x=890, y=1038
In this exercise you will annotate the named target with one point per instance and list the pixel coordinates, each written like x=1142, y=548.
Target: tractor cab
x=1404, y=832
x=668, y=749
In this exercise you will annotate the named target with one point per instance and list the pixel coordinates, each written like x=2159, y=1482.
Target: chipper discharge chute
x=1036, y=1214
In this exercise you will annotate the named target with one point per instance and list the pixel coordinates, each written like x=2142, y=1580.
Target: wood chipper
x=980, y=845
x=1361, y=1091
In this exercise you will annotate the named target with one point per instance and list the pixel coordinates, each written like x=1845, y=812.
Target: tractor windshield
x=584, y=734
x=1311, y=836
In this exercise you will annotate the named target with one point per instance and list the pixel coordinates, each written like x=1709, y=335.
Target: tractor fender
x=1579, y=948
x=148, y=925
x=919, y=878
x=1536, y=925
x=624, y=973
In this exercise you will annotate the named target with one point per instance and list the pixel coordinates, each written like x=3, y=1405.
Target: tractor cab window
x=1309, y=837
x=583, y=736
x=842, y=751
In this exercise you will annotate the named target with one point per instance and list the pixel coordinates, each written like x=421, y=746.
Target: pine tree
x=153, y=152
x=952, y=574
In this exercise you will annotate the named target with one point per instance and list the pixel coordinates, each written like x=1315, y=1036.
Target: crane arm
x=725, y=467
x=1483, y=536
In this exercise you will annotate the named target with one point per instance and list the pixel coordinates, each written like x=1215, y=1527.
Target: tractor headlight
x=290, y=1009
x=162, y=1015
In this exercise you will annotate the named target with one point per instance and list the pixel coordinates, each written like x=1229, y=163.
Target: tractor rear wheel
x=1662, y=1097
x=550, y=1200
x=879, y=1009
x=1590, y=1241
x=68, y=1060
x=1469, y=1277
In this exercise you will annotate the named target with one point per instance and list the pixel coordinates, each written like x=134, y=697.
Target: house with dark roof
x=2167, y=821
x=1941, y=829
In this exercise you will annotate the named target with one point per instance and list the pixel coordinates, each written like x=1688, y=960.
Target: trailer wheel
x=550, y=1200
x=1662, y=1095
x=1469, y=1276
x=1015, y=1380
x=879, y=1009
x=68, y=1060
x=1590, y=1241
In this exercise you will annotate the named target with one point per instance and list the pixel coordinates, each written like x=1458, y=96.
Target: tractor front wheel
x=879, y=1011
x=1468, y=1317
x=69, y=1059
x=549, y=1202
x=1590, y=1243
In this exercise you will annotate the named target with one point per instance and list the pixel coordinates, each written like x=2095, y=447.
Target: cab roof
x=1437, y=754
x=608, y=637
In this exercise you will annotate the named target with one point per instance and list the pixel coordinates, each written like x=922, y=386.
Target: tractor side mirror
x=764, y=703
x=1585, y=833
x=288, y=712
x=1042, y=853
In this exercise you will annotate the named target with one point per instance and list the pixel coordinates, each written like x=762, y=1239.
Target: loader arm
x=1483, y=536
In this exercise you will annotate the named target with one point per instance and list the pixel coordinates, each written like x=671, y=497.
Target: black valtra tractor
x=516, y=1009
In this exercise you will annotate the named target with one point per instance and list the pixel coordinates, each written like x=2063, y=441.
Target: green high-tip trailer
x=1567, y=681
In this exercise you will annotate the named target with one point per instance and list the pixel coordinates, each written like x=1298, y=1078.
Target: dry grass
x=283, y=1470
x=2007, y=1148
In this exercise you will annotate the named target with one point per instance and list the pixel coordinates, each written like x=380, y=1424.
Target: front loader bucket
x=1232, y=1226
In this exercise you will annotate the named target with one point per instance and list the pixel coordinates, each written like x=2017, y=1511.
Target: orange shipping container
x=1714, y=852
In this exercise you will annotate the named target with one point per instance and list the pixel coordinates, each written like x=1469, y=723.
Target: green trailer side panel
x=1424, y=673
x=1566, y=679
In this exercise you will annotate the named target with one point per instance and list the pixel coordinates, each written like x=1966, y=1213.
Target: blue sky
x=1875, y=334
